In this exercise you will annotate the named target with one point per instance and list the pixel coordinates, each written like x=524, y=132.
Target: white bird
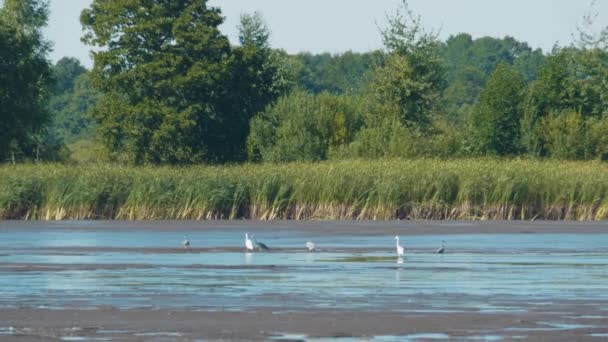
x=441, y=249
x=311, y=246
x=248, y=243
x=186, y=242
x=400, y=249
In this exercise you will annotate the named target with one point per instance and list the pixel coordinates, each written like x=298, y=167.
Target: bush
x=303, y=127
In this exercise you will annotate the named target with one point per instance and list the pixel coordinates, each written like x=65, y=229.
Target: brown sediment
x=325, y=227
x=264, y=324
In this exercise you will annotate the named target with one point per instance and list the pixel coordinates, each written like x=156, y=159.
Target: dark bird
x=441, y=249
x=261, y=246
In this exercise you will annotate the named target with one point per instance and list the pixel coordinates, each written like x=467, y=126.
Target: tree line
x=167, y=87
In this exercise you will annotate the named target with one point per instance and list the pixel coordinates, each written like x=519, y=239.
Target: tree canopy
x=25, y=77
x=168, y=87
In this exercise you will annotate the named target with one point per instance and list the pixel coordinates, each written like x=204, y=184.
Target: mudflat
x=141, y=325
x=328, y=227
x=132, y=281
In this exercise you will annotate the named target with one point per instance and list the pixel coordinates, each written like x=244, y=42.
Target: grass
x=376, y=190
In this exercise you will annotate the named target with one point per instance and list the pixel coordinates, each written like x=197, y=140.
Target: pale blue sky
x=341, y=25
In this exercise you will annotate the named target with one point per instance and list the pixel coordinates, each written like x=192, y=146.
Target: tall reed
x=377, y=190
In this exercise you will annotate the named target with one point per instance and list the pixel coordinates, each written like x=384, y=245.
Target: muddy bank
x=30, y=324
x=326, y=227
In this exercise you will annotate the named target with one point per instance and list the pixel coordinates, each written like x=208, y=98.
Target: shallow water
x=59, y=268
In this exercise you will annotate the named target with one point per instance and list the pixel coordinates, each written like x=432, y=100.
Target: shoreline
x=338, y=228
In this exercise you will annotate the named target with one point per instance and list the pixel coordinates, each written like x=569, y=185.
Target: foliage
x=72, y=99
x=162, y=71
x=495, y=124
x=66, y=71
x=565, y=135
x=258, y=76
x=569, y=135
x=87, y=151
x=413, y=77
x=345, y=73
x=387, y=139
x=571, y=80
x=25, y=77
x=169, y=88
x=470, y=62
x=303, y=127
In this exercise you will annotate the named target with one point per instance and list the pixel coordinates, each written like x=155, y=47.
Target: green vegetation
x=25, y=78
x=390, y=189
x=368, y=135
x=174, y=91
x=168, y=88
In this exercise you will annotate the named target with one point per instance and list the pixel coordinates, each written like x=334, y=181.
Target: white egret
x=310, y=246
x=248, y=243
x=400, y=249
x=441, y=249
x=186, y=242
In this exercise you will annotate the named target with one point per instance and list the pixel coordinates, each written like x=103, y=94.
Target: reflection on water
x=476, y=273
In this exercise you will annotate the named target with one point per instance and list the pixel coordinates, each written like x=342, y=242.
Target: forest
x=168, y=88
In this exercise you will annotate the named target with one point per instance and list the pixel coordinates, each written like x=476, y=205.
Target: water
x=90, y=268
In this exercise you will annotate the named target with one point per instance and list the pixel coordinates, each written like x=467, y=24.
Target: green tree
x=565, y=136
x=496, y=118
x=570, y=80
x=25, y=77
x=462, y=92
x=162, y=68
x=71, y=116
x=345, y=73
x=258, y=76
x=71, y=100
x=303, y=127
x=65, y=72
x=412, y=79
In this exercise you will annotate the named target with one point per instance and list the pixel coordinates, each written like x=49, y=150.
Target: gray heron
x=261, y=246
x=441, y=249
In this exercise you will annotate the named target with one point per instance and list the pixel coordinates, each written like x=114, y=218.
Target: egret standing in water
x=260, y=245
x=248, y=243
x=441, y=249
x=310, y=246
x=186, y=242
x=400, y=249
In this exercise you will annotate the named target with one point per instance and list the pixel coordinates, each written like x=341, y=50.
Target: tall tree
x=258, y=76
x=162, y=67
x=25, y=77
x=412, y=79
x=496, y=118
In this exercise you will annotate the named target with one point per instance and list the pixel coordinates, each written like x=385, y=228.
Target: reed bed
x=346, y=190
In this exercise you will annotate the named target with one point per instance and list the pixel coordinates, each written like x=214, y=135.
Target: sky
x=340, y=25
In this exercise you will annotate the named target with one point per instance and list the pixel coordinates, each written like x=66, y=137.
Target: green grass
x=416, y=189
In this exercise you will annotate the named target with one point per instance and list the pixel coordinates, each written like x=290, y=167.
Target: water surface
x=89, y=267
